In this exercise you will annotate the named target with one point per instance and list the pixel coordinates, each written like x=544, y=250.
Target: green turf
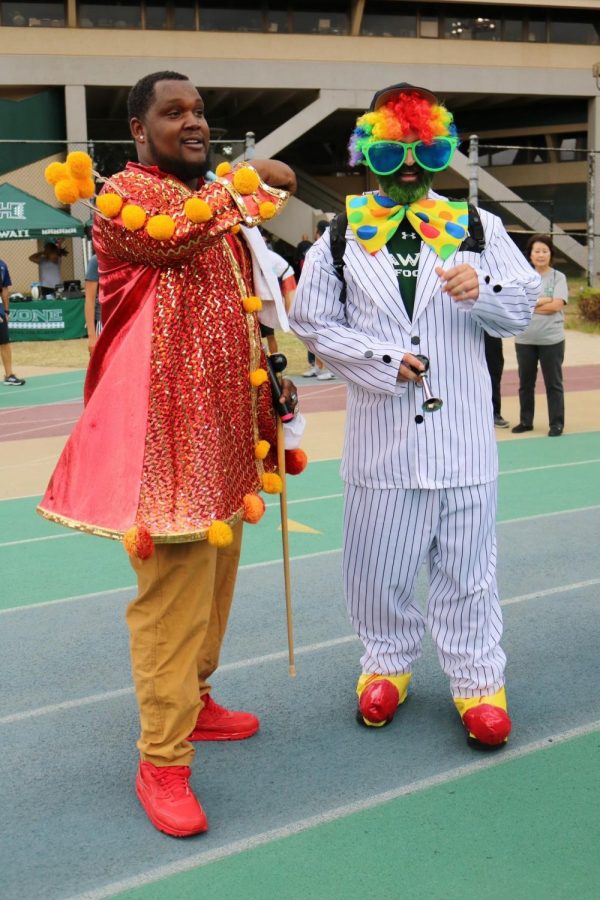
x=60, y=387
x=74, y=564
x=525, y=829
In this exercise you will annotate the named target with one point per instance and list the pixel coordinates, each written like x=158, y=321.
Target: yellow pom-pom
x=267, y=210
x=197, y=210
x=219, y=534
x=138, y=542
x=246, y=180
x=261, y=448
x=161, y=228
x=254, y=508
x=224, y=168
x=79, y=164
x=86, y=186
x=133, y=216
x=235, y=229
x=55, y=172
x=251, y=304
x=66, y=190
x=109, y=205
x=272, y=483
x=258, y=377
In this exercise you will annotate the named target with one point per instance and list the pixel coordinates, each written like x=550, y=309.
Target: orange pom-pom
x=161, y=228
x=55, y=172
x=267, y=209
x=109, y=205
x=138, y=542
x=246, y=180
x=197, y=210
x=79, y=164
x=261, y=449
x=86, y=187
x=295, y=461
x=251, y=304
x=258, y=377
x=272, y=483
x=66, y=190
x=235, y=229
x=133, y=217
x=219, y=534
x=224, y=168
x=254, y=508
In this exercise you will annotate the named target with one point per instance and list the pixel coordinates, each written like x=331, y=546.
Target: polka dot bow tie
x=374, y=219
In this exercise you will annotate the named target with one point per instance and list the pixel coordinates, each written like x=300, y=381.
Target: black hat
x=386, y=94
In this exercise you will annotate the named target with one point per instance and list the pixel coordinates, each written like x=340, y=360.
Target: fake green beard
x=406, y=193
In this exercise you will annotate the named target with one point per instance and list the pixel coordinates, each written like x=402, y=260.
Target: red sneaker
x=168, y=800
x=215, y=723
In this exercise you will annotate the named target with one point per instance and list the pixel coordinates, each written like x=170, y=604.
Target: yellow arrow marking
x=298, y=526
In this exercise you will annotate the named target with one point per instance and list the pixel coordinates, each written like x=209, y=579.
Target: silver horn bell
x=431, y=403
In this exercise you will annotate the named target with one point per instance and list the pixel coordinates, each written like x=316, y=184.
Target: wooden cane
x=286, y=547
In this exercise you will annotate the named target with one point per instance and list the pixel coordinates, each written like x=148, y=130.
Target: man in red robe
x=178, y=430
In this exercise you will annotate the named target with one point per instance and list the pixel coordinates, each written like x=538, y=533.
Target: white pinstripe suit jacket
x=389, y=442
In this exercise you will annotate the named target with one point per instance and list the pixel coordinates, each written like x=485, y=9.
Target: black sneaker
x=499, y=422
x=13, y=380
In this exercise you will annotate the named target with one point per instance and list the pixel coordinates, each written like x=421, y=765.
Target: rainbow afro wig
x=408, y=112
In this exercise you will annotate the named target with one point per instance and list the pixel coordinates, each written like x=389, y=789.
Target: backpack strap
x=475, y=239
x=337, y=239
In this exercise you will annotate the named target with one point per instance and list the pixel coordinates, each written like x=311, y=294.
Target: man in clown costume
x=419, y=485
x=178, y=432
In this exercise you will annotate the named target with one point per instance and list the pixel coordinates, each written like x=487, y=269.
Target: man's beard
x=185, y=171
x=406, y=192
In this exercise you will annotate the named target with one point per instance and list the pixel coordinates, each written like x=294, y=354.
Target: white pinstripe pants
x=387, y=536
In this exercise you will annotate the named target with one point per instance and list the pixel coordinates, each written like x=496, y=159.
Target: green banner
x=47, y=320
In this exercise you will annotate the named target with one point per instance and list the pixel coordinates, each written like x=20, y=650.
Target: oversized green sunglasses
x=386, y=157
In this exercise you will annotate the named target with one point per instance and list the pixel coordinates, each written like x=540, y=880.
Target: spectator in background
x=543, y=341
x=287, y=282
x=316, y=369
x=48, y=261
x=10, y=378
x=494, y=357
x=92, y=302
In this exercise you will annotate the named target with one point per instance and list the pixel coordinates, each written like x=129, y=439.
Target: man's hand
x=275, y=174
x=461, y=282
x=409, y=369
x=289, y=394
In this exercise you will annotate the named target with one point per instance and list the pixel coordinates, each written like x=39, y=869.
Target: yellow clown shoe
x=379, y=696
x=485, y=718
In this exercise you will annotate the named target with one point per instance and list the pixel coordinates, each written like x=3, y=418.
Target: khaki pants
x=176, y=626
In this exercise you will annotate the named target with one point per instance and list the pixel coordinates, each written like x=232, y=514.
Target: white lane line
x=50, y=387
x=273, y=562
x=203, y=858
x=46, y=537
x=267, y=658
x=36, y=429
x=567, y=465
x=132, y=587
